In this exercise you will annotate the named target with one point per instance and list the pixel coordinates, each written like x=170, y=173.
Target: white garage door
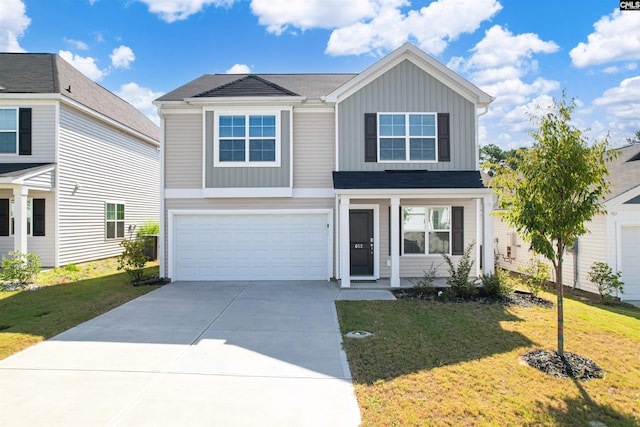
x=251, y=247
x=630, y=249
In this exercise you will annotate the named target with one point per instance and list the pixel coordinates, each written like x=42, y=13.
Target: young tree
x=492, y=154
x=630, y=141
x=558, y=186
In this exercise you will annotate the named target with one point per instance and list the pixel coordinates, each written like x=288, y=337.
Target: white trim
x=408, y=193
x=426, y=229
x=312, y=108
x=394, y=235
x=56, y=187
x=240, y=192
x=619, y=201
x=343, y=242
x=337, y=136
x=313, y=193
x=376, y=239
x=36, y=171
x=172, y=213
x=163, y=220
x=16, y=131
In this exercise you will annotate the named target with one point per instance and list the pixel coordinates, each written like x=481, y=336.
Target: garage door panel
x=251, y=247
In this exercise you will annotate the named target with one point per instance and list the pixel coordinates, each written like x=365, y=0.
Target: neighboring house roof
x=46, y=73
x=311, y=86
x=409, y=179
x=624, y=172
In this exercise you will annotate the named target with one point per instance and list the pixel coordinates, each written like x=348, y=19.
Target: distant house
x=315, y=176
x=79, y=167
x=613, y=238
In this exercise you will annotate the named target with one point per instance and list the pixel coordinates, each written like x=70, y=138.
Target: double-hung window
x=426, y=230
x=114, y=220
x=246, y=140
x=8, y=130
x=407, y=137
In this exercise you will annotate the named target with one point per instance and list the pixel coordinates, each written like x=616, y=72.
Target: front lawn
x=73, y=295
x=431, y=363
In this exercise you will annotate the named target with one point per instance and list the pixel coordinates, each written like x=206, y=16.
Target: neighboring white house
x=613, y=238
x=315, y=176
x=79, y=167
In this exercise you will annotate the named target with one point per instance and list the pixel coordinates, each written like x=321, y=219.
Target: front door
x=361, y=242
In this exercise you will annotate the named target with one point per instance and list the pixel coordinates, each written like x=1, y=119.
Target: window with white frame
x=246, y=139
x=114, y=220
x=12, y=218
x=407, y=137
x=426, y=230
x=8, y=130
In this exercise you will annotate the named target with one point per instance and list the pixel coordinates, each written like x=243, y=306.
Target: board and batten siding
x=183, y=150
x=240, y=204
x=406, y=88
x=313, y=149
x=98, y=163
x=249, y=177
x=43, y=246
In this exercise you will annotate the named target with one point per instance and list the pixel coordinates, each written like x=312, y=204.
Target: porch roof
x=15, y=170
x=407, y=179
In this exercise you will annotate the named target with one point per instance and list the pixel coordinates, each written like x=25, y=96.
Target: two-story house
x=316, y=176
x=79, y=166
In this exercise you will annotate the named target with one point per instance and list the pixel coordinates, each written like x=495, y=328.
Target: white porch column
x=345, y=262
x=487, y=266
x=20, y=219
x=395, y=242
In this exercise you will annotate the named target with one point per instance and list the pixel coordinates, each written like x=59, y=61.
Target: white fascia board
x=430, y=65
x=620, y=199
x=250, y=192
x=20, y=179
x=247, y=100
x=408, y=193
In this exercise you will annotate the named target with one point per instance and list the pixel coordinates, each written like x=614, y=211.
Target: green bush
x=425, y=288
x=149, y=228
x=498, y=284
x=132, y=259
x=605, y=280
x=20, y=269
x=461, y=285
x=537, y=274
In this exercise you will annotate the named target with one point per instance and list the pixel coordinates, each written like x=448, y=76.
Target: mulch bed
x=573, y=365
x=517, y=299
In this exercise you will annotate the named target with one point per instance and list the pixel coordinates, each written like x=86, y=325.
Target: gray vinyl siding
x=98, y=164
x=236, y=177
x=406, y=88
x=240, y=204
x=43, y=246
x=183, y=150
x=313, y=150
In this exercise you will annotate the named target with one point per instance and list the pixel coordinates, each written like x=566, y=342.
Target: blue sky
x=524, y=53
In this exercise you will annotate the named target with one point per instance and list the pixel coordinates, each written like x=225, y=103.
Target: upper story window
x=246, y=140
x=407, y=137
x=8, y=131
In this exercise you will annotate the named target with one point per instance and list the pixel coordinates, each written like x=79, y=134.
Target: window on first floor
x=35, y=217
x=426, y=230
x=114, y=220
x=246, y=140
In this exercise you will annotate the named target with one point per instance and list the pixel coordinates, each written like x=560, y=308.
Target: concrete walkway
x=192, y=354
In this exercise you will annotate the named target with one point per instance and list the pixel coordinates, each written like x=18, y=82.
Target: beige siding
x=313, y=150
x=43, y=136
x=592, y=247
x=183, y=150
x=99, y=164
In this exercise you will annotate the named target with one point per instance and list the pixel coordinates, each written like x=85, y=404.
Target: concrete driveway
x=191, y=354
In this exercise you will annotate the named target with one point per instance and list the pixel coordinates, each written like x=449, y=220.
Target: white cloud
x=627, y=92
x=239, y=69
x=178, y=10
x=432, y=27
x=141, y=98
x=78, y=44
x=13, y=23
x=86, y=65
x=614, y=69
x=122, y=57
x=616, y=38
x=518, y=119
x=278, y=15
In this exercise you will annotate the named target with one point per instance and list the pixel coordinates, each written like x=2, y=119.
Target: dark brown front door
x=361, y=242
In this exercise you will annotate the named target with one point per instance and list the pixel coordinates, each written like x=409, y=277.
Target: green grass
x=74, y=295
x=430, y=363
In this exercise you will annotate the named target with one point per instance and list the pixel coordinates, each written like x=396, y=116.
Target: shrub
x=149, y=228
x=20, y=269
x=536, y=273
x=458, y=279
x=132, y=259
x=498, y=284
x=605, y=280
x=425, y=287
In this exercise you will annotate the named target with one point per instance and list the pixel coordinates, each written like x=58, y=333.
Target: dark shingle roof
x=307, y=85
x=624, y=172
x=49, y=73
x=11, y=168
x=416, y=179
x=248, y=86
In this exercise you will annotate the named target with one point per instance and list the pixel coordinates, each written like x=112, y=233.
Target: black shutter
x=457, y=230
x=38, y=217
x=4, y=217
x=444, y=149
x=25, y=132
x=370, y=137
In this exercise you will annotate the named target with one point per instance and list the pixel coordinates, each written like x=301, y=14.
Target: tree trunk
x=559, y=289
